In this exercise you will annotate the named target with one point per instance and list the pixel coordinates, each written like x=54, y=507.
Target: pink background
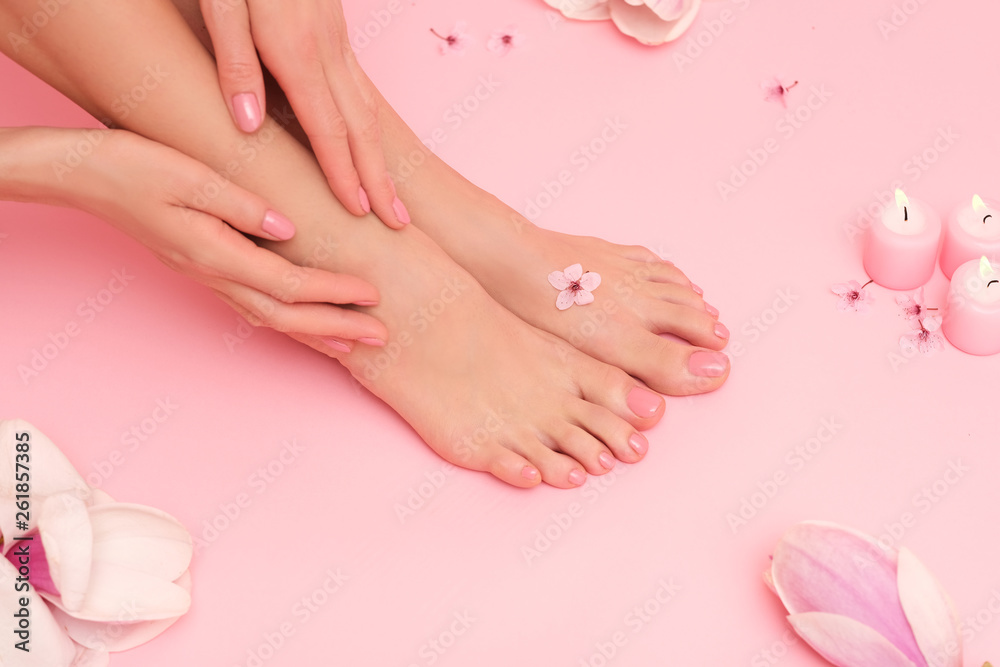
x=334, y=505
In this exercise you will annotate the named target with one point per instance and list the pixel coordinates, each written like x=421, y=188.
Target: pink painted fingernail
x=374, y=342
x=366, y=303
x=401, y=213
x=643, y=402
x=639, y=443
x=528, y=472
x=337, y=345
x=708, y=364
x=606, y=460
x=278, y=226
x=711, y=310
x=246, y=108
x=363, y=196
x=721, y=331
x=577, y=477
x=697, y=290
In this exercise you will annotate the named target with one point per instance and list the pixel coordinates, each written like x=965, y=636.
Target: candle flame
x=977, y=204
x=901, y=199
x=985, y=268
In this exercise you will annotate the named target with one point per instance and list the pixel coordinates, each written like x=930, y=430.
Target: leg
x=484, y=389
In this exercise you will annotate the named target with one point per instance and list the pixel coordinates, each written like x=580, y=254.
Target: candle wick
x=906, y=216
x=868, y=283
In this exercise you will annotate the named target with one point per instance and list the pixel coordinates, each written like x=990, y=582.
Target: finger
x=314, y=319
x=240, y=77
x=225, y=253
x=242, y=209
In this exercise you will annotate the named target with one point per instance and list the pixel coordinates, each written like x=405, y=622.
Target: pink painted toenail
x=577, y=477
x=708, y=364
x=528, y=472
x=721, y=331
x=606, y=460
x=401, y=213
x=643, y=402
x=711, y=310
x=639, y=443
x=337, y=345
x=697, y=290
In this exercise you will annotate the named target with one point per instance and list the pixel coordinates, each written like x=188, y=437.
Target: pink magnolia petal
x=574, y=272
x=121, y=634
x=590, y=280
x=846, y=642
x=584, y=10
x=929, y=611
x=49, y=645
x=116, y=590
x=140, y=538
x=87, y=657
x=565, y=299
x=559, y=280
x=64, y=526
x=824, y=567
x=51, y=473
x=642, y=23
x=583, y=297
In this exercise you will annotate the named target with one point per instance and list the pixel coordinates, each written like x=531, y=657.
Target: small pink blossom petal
x=824, y=567
x=773, y=90
x=846, y=642
x=930, y=612
x=49, y=644
x=64, y=526
x=559, y=280
x=583, y=297
x=590, y=280
x=573, y=273
x=565, y=299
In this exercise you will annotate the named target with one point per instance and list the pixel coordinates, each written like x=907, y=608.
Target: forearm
x=37, y=164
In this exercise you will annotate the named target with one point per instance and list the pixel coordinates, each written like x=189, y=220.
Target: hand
x=176, y=206
x=304, y=44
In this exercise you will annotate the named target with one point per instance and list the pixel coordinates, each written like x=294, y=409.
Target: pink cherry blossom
x=455, y=42
x=912, y=305
x=775, y=91
x=924, y=338
x=576, y=286
x=853, y=296
x=503, y=40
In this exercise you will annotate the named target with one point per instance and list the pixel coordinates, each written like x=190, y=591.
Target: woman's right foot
x=485, y=390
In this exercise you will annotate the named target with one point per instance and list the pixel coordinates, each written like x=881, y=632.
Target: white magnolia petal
x=574, y=272
x=141, y=538
x=590, y=281
x=48, y=644
x=64, y=526
x=559, y=280
x=668, y=10
x=583, y=10
x=929, y=611
x=117, y=635
x=642, y=23
x=583, y=297
x=88, y=657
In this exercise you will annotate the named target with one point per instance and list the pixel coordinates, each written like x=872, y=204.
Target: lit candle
x=973, y=230
x=972, y=319
x=902, y=245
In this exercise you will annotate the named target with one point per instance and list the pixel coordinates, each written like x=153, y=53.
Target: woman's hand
x=191, y=219
x=304, y=44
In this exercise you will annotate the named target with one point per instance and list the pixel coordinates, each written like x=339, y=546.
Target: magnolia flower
x=650, y=22
x=455, y=41
x=853, y=296
x=104, y=576
x=576, y=286
x=858, y=605
x=503, y=40
x=924, y=338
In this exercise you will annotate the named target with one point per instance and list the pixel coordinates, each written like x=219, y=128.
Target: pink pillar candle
x=973, y=230
x=902, y=244
x=972, y=319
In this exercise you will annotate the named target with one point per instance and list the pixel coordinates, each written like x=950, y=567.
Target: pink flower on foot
x=455, y=41
x=924, y=338
x=505, y=39
x=853, y=296
x=859, y=605
x=576, y=286
x=913, y=306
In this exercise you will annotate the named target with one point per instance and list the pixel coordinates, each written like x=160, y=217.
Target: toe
x=557, y=469
x=582, y=446
x=670, y=367
x=499, y=461
x=697, y=326
x=612, y=388
x=618, y=435
x=675, y=293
